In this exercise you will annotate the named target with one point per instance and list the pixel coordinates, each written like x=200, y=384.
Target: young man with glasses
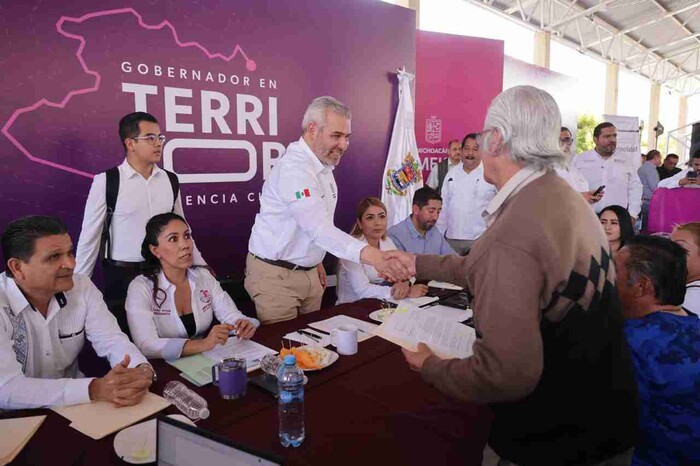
x=141, y=190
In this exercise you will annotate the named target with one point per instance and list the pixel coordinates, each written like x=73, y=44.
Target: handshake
x=394, y=266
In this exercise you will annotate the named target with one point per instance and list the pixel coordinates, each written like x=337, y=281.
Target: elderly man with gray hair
x=550, y=355
x=294, y=229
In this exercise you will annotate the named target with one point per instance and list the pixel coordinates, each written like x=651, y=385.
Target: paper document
x=444, y=285
x=197, y=368
x=452, y=313
x=15, y=433
x=409, y=326
x=416, y=302
x=101, y=418
x=322, y=340
x=366, y=329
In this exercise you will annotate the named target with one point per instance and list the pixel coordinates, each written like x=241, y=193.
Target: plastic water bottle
x=192, y=405
x=290, y=381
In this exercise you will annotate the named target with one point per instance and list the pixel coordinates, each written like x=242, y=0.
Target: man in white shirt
x=437, y=175
x=569, y=173
x=47, y=312
x=616, y=172
x=144, y=190
x=294, y=228
x=465, y=195
x=687, y=178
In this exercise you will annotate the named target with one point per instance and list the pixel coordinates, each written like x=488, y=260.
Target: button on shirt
x=295, y=223
x=139, y=199
x=38, y=356
x=361, y=281
x=464, y=198
x=156, y=327
x=407, y=238
x=618, y=174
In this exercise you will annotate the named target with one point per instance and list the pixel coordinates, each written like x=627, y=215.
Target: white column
x=653, y=115
x=612, y=77
x=543, y=44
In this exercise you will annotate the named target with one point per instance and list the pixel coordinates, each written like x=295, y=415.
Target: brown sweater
x=550, y=356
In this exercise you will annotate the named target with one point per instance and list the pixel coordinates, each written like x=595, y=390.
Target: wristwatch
x=154, y=377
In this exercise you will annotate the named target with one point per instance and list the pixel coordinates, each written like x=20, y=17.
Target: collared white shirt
x=575, y=178
x=619, y=176
x=692, y=297
x=672, y=182
x=295, y=223
x=512, y=187
x=38, y=356
x=138, y=200
x=464, y=197
x=433, y=179
x=360, y=281
x=155, y=326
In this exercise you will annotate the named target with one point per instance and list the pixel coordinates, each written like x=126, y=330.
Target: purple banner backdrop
x=228, y=81
x=456, y=79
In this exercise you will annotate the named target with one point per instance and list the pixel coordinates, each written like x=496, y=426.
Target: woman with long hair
x=170, y=307
x=688, y=236
x=359, y=281
x=617, y=225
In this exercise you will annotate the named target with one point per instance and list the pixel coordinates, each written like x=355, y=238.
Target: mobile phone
x=599, y=190
x=267, y=382
x=693, y=175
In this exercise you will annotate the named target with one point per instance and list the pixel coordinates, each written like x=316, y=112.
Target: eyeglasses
x=151, y=138
x=566, y=140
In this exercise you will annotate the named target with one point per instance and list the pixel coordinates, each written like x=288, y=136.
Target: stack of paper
x=100, y=418
x=197, y=368
x=366, y=329
x=408, y=326
x=15, y=435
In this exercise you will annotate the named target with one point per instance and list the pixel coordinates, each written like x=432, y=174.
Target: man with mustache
x=439, y=172
x=465, y=195
x=294, y=228
x=416, y=234
x=142, y=190
x=602, y=166
x=46, y=312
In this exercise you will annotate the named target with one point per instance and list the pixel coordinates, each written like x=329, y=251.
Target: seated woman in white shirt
x=359, y=281
x=688, y=236
x=173, y=303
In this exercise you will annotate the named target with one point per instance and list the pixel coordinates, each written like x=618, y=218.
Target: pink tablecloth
x=669, y=207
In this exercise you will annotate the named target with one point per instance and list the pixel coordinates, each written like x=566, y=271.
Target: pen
x=316, y=338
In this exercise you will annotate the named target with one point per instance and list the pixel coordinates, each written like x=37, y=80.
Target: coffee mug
x=231, y=376
x=344, y=338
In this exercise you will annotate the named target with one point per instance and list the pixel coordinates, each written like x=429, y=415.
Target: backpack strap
x=175, y=184
x=111, y=194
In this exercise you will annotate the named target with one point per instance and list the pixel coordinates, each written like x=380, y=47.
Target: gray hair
x=529, y=122
x=317, y=109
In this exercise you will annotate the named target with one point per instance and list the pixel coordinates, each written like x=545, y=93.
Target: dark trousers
x=117, y=279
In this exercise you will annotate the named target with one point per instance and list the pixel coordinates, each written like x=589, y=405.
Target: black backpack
x=112, y=192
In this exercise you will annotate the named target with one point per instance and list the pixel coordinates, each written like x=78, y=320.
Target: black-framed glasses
x=151, y=138
x=566, y=140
